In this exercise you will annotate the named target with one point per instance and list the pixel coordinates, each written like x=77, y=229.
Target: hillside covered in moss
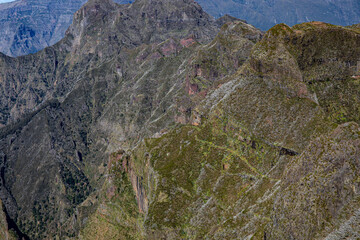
x=154, y=121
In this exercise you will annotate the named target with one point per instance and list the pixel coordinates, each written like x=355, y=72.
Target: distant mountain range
x=264, y=14
x=27, y=26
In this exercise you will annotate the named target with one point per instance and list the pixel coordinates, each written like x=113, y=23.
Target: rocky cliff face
x=61, y=108
x=150, y=121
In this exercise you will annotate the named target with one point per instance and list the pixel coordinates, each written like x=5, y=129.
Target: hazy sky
x=4, y=1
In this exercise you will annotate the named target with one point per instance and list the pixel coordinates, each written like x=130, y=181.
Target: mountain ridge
x=77, y=73
x=126, y=129
x=21, y=32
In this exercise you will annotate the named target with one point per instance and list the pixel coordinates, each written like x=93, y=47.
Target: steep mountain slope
x=150, y=121
x=270, y=153
x=106, y=84
x=266, y=13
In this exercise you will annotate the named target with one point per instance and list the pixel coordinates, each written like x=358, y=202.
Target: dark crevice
x=287, y=152
x=253, y=144
x=80, y=156
x=283, y=151
x=2, y=171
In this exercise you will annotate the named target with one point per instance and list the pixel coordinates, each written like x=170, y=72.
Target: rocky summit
x=153, y=120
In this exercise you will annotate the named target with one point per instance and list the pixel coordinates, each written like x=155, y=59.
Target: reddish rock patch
x=187, y=42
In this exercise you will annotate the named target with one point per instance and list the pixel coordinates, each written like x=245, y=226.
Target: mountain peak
x=140, y=22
